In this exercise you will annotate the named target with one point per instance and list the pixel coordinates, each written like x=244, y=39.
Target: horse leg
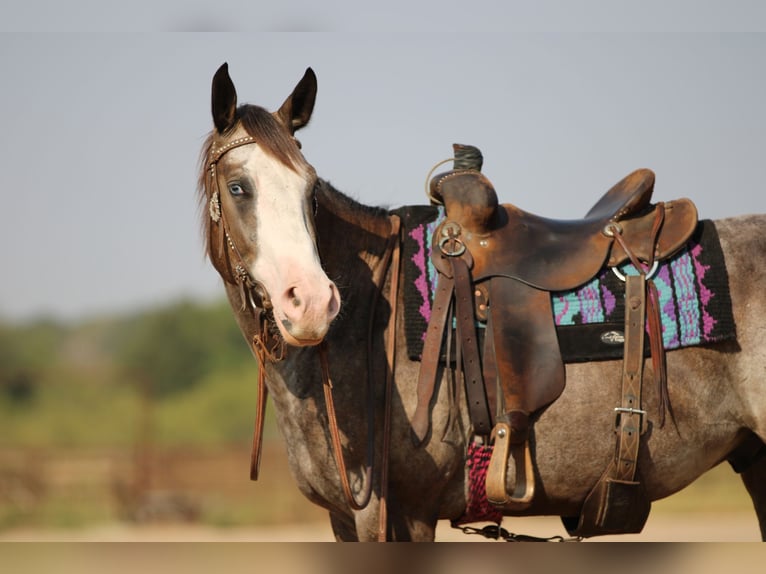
x=365, y=524
x=754, y=478
x=411, y=529
x=343, y=528
x=751, y=465
x=400, y=527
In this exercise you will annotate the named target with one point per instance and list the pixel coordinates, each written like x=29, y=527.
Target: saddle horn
x=468, y=196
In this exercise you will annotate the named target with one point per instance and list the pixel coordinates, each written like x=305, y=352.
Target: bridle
x=232, y=266
x=269, y=347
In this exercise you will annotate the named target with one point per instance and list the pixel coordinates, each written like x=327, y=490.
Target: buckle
x=631, y=411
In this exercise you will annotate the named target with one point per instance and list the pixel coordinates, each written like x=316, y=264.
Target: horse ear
x=224, y=99
x=296, y=111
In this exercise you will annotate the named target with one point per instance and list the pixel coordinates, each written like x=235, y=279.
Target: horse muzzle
x=304, y=313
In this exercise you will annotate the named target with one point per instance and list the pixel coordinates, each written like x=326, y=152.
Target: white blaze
x=286, y=262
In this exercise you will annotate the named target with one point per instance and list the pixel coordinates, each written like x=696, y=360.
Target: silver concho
x=215, y=207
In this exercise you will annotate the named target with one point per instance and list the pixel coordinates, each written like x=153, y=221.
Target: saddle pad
x=692, y=285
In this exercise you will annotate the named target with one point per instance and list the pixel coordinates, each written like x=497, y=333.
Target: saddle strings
x=431, y=198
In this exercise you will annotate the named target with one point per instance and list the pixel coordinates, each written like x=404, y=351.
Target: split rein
x=270, y=348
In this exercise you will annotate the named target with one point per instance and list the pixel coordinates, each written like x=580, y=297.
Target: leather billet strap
x=618, y=502
x=630, y=416
x=652, y=317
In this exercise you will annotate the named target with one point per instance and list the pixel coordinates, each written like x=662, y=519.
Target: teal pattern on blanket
x=687, y=290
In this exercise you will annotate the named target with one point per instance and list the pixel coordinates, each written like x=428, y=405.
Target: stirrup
x=497, y=472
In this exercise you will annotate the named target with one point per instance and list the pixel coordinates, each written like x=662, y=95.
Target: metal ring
x=611, y=229
x=649, y=275
x=455, y=252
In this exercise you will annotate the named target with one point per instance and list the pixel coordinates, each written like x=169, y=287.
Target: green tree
x=27, y=352
x=173, y=348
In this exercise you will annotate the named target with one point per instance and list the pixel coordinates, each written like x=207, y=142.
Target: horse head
x=260, y=199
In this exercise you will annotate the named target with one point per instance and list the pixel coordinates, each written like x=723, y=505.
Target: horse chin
x=304, y=339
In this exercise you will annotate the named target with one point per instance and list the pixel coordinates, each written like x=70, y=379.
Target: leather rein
x=269, y=347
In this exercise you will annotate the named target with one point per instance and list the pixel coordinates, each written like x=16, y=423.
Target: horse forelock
x=271, y=135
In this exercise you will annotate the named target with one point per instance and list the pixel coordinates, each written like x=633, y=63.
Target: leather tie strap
x=467, y=339
x=429, y=362
x=468, y=351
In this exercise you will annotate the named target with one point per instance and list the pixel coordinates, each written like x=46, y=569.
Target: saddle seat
x=552, y=254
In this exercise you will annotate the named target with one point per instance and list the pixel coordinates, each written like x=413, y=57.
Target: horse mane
x=360, y=212
x=268, y=133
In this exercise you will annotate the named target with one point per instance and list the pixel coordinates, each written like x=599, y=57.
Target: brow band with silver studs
x=215, y=154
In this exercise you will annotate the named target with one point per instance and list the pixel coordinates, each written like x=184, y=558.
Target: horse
x=311, y=276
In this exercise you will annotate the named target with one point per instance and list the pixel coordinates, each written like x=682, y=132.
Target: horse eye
x=236, y=189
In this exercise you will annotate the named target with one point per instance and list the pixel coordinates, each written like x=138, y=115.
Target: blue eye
x=236, y=189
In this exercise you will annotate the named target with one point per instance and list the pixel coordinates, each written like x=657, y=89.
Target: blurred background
x=144, y=418
x=116, y=425
x=127, y=394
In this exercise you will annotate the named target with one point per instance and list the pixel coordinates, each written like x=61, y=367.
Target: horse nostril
x=292, y=295
x=334, y=305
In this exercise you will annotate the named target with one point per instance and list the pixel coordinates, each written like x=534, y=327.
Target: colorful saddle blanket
x=693, y=287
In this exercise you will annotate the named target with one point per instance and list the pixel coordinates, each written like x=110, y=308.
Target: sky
x=101, y=130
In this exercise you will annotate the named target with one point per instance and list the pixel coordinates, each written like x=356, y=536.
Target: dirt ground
x=728, y=555
x=680, y=527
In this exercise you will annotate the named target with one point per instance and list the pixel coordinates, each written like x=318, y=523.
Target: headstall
x=234, y=272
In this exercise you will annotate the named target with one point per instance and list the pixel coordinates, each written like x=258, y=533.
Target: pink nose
x=308, y=311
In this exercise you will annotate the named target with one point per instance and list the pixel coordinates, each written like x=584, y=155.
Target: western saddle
x=497, y=267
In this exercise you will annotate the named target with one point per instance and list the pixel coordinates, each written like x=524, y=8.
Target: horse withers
x=309, y=273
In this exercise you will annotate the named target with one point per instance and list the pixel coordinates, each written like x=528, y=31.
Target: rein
x=268, y=348
x=391, y=260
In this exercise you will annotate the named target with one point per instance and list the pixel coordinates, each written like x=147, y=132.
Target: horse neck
x=352, y=239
